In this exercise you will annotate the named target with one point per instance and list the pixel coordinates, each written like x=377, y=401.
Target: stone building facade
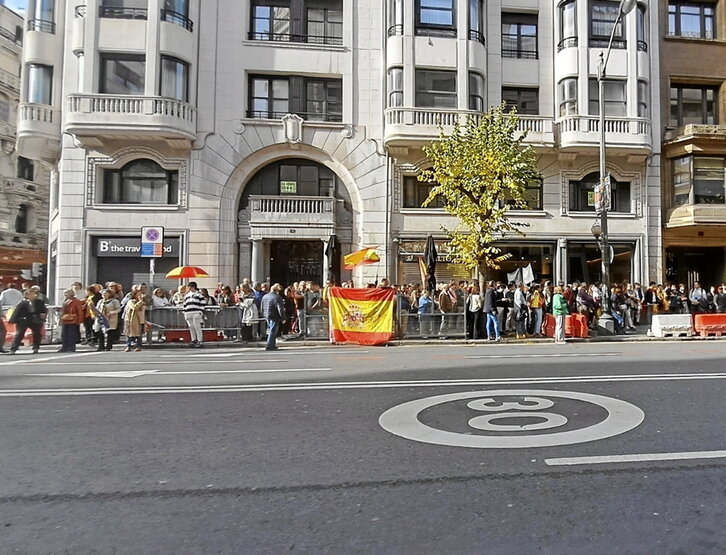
x=23, y=182
x=254, y=133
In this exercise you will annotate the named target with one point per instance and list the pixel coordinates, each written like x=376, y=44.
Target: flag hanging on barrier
x=362, y=316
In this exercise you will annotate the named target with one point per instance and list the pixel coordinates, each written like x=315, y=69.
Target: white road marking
x=326, y=386
x=644, y=457
x=258, y=350
x=549, y=355
x=132, y=374
x=59, y=356
x=174, y=362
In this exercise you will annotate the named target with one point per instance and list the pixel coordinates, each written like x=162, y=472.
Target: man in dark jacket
x=273, y=310
x=29, y=313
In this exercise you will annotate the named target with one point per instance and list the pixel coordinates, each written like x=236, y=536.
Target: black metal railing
x=477, y=36
x=289, y=37
x=642, y=46
x=395, y=30
x=41, y=25
x=178, y=19
x=426, y=31
x=122, y=13
x=522, y=54
x=12, y=37
x=567, y=42
x=601, y=42
x=80, y=11
x=307, y=116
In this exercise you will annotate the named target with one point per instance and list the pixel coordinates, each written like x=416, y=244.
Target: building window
x=476, y=21
x=122, y=74
x=436, y=17
x=311, y=21
x=324, y=99
x=582, y=194
x=395, y=26
x=395, y=86
x=693, y=20
x=313, y=99
x=519, y=36
x=43, y=17
x=4, y=110
x=177, y=12
x=643, y=99
x=140, y=182
x=415, y=192
x=123, y=9
x=531, y=197
x=693, y=104
x=435, y=88
x=603, y=16
x=699, y=180
x=40, y=84
x=614, y=98
x=22, y=220
x=476, y=92
x=526, y=101
x=324, y=22
x=26, y=169
x=174, y=79
x=568, y=25
x=568, y=96
x=642, y=28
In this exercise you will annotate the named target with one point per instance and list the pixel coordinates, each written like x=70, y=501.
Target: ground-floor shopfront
x=554, y=260
x=695, y=253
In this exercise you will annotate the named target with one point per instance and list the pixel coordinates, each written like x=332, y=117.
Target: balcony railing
x=395, y=30
x=12, y=37
x=307, y=116
x=41, y=25
x=9, y=80
x=268, y=212
x=567, y=42
x=178, y=19
x=591, y=124
x=80, y=11
x=477, y=36
x=122, y=13
x=131, y=105
x=290, y=37
x=35, y=112
x=291, y=204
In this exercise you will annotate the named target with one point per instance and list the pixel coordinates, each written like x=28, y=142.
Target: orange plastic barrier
x=709, y=324
x=575, y=325
x=183, y=336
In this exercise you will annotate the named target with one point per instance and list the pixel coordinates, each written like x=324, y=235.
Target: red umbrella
x=182, y=272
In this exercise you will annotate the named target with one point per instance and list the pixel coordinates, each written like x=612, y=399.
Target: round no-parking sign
x=534, y=419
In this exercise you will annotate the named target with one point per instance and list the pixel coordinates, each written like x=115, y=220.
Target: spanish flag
x=364, y=256
x=362, y=316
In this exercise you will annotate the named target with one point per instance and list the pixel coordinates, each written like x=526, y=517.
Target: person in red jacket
x=71, y=318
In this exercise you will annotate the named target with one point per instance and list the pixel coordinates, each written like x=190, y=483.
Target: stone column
x=258, y=261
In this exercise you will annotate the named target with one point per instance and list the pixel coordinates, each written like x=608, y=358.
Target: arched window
x=22, y=220
x=582, y=194
x=141, y=182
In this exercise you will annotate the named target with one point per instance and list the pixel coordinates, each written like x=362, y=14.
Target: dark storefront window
x=582, y=194
x=140, y=182
x=415, y=192
x=584, y=262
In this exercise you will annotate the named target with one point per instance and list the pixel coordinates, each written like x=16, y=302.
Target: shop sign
x=410, y=251
x=130, y=247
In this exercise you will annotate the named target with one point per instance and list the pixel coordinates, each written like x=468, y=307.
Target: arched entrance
x=287, y=214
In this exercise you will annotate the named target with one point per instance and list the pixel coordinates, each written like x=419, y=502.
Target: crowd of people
x=97, y=315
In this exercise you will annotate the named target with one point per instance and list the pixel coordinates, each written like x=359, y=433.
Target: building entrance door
x=689, y=264
x=292, y=261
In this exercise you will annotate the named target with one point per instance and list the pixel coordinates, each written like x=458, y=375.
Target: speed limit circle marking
x=402, y=420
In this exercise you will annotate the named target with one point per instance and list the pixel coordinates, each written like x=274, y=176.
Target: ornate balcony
x=696, y=214
x=410, y=125
x=93, y=118
x=293, y=217
x=629, y=134
x=38, y=132
x=694, y=132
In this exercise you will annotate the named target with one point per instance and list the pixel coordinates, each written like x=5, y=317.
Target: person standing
x=134, y=320
x=425, y=309
x=72, y=317
x=474, y=303
x=520, y=311
x=536, y=303
x=10, y=296
x=447, y=305
x=29, y=313
x=107, y=332
x=273, y=311
x=194, y=303
x=489, y=310
x=559, y=311
x=698, y=299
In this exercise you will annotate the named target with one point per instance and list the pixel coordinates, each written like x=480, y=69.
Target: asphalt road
x=597, y=448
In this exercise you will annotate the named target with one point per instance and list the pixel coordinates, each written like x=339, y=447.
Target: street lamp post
x=606, y=324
